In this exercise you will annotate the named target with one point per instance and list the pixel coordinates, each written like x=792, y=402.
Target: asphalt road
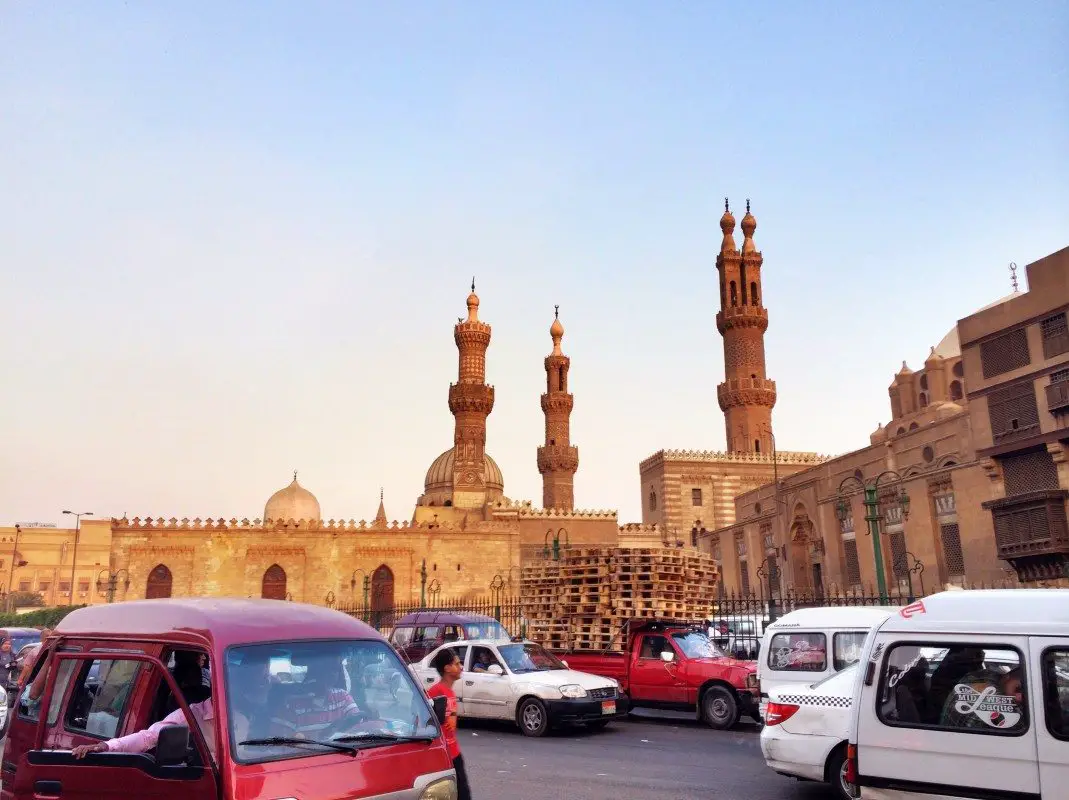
x=655, y=757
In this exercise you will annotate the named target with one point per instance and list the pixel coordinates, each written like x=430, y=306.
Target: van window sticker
x=993, y=709
x=913, y=609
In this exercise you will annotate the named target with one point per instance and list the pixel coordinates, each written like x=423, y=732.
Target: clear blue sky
x=236, y=236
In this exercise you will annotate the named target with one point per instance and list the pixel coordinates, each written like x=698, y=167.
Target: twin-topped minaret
x=746, y=396
x=558, y=459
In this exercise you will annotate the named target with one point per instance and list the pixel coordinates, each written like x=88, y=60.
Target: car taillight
x=850, y=776
x=775, y=713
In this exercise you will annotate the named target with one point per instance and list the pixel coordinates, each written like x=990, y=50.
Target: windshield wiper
x=386, y=738
x=273, y=740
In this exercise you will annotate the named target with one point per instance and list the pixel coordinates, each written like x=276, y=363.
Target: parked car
x=418, y=633
x=964, y=694
x=107, y=666
x=673, y=665
x=522, y=681
x=795, y=650
x=807, y=727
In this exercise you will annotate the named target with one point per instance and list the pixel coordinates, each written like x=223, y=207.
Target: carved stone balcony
x=1031, y=532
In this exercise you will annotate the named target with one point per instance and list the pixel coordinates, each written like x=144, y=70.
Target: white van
x=965, y=694
x=795, y=648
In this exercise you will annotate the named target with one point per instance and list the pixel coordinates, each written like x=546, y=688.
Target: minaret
x=380, y=515
x=471, y=401
x=746, y=396
x=558, y=460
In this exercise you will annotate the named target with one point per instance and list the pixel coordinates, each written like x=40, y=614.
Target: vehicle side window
x=653, y=646
x=462, y=653
x=451, y=633
x=428, y=633
x=798, y=652
x=55, y=705
x=1056, y=691
x=846, y=648
x=964, y=688
x=401, y=637
x=483, y=658
x=101, y=696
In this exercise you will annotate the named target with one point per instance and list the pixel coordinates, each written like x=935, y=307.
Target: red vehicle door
x=652, y=678
x=55, y=774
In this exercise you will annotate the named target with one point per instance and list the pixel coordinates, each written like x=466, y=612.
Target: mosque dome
x=440, y=475
x=293, y=502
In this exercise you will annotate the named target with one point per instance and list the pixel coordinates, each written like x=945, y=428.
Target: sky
x=236, y=237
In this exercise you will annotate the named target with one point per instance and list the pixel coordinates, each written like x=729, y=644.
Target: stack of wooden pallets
x=585, y=600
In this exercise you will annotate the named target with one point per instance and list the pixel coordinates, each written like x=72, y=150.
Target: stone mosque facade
x=463, y=536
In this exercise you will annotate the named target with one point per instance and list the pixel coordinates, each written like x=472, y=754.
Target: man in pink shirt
x=145, y=740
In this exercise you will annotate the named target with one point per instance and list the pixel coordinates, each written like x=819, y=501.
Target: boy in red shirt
x=449, y=667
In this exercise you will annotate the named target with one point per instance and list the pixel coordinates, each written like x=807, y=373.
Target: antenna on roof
x=1013, y=276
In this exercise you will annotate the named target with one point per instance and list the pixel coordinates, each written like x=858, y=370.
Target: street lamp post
x=904, y=565
x=367, y=586
x=872, y=516
x=15, y=562
x=434, y=591
x=77, y=531
x=556, y=543
x=111, y=581
x=769, y=571
x=423, y=584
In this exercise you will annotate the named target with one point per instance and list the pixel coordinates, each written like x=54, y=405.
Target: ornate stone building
x=966, y=442
x=687, y=491
x=464, y=533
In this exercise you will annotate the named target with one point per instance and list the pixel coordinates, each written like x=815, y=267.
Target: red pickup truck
x=674, y=666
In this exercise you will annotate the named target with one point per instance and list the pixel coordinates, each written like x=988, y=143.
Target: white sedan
x=807, y=727
x=521, y=681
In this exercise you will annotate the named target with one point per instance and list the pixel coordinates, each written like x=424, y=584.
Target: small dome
x=440, y=475
x=294, y=502
x=556, y=330
x=879, y=435
x=905, y=370
x=947, y=408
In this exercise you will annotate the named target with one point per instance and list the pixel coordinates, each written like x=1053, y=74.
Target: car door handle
x=469, y=683
x=47, y=789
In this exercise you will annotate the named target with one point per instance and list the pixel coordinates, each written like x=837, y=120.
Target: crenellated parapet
x=737, y=457
x=526, y=512
x=339, y=526
x=639, y=528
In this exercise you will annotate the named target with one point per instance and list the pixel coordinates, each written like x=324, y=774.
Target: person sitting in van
x=320, y=705
x=955, y=665
x=984, y=699
x=144, y=740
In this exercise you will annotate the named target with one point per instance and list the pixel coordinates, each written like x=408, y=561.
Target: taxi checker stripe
x=815, y=700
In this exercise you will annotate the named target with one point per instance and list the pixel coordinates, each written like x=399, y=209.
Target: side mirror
x=172, y=747
x=441, y=705
x=495, y=669
x=668, y=656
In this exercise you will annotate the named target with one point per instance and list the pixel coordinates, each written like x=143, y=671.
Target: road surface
x=652, y=758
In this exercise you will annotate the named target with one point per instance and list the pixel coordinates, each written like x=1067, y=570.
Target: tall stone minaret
x=558, y=460
x=471, y=402
x=746, y=396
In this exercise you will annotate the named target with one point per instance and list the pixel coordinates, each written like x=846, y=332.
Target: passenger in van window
x=250, y=683
x=978, y=701
x=322, y=703
x=145, y=740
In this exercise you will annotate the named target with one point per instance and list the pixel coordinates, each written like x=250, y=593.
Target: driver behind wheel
x=321, y=707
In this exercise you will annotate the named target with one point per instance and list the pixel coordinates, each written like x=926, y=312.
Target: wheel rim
x=532, y=717
x=717, y=708
x=844, y=787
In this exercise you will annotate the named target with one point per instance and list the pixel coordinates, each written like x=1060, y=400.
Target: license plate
x=608, y=707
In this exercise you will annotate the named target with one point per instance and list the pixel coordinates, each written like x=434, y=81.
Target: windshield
x=846, y=675
x=19, y=642
x=697, y=645
x=493, y=631
x=528, y=657
x=304, y=699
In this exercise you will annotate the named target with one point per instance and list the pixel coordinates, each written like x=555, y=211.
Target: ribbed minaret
x=471, y=402
x=746, y=396
x=558, y=460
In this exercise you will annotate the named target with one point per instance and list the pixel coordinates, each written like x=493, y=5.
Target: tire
x=532, y=717
x=835, y=771
x=719, y=708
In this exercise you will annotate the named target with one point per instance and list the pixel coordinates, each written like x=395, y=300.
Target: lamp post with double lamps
x=16, y=561
x=872, y=516
x=107, y=583
x=77, y=531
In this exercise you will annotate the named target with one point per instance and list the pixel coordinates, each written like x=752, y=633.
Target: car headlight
x=751, y=681
x=445, y=789
x=573, y=691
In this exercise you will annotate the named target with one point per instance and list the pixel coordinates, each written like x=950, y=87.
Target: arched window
x=958, y=370
x=734, y=294
x=753, y=294
x=273, y=586
x=653, y=500
x=924, y=399
x=913, y=426
x=900, y=431
x=159, y=583
x=382, y=589
x=757, y=445
x=955, y=390
x=924, y=382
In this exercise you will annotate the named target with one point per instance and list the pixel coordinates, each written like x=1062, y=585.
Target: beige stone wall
x=49, y=553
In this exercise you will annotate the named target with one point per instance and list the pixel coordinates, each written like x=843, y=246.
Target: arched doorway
x=159, y=583
x=274, y=583
x=382, y=589
x=806, y=556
